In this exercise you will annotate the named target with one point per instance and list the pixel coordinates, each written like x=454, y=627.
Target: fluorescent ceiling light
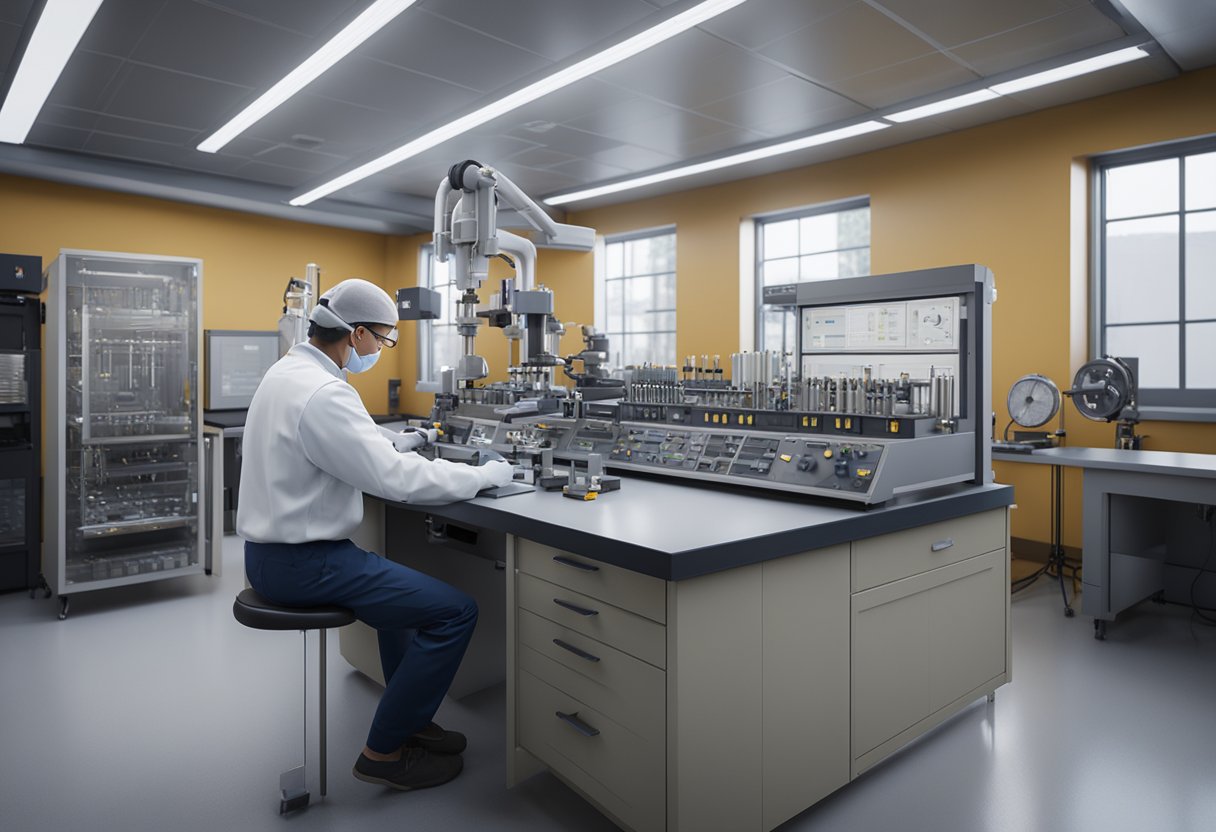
x=588, y=66
x=723, y=162
x=943, y=106
x=373, y=19
x=59, y=28
x=1072, y=70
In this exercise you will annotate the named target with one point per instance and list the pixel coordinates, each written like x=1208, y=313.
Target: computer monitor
x=236, y=360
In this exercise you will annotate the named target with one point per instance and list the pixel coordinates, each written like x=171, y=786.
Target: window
x=819, y=243
x=636, y=298
x=1155, y=269
x=438, y=341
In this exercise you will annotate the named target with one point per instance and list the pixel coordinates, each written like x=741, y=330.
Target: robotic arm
x=467, y=205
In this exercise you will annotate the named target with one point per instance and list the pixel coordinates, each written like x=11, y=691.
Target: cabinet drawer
x=890, y=557
x=633, y=591
x=620, y=770
x=625, y=689
x=605, y=623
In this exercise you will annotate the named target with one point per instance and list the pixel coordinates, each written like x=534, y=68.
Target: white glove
x=498, y=472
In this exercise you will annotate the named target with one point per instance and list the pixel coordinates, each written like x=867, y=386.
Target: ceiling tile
x=52, y=135
x=118, y=27
x=856, y=39
x=554, y=29
x=692, y=69
x=144, y=130
x=10, y=34
x=414, y=98
x=785, y=106
x=1039, y=41
x=164, y=97
x=423, y=42
x=303, y=160
x=566, y=140
x=905, y=81
x=950, y=22
x=677, y=133
x=273, y=174
x=246, y=146
x=566, y=104
x=586, y=171
x=540, y=157
x=758, y=22
x=632, y=158
x=86, y=81
x=203, y=41
x=308, y=17
x=15, y=11
x=344, y=129
x=139, y=150
x=622, y=114
x=722, y=142
x=67, y=117
x=1144, y=71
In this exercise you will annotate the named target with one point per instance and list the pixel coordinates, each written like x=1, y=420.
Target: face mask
x=361, y=363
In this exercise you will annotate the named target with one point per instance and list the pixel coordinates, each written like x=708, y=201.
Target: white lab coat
x=311, y=450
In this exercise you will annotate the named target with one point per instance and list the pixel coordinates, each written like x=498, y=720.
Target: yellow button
x=740, y=418
x=827, y=453
x=749, y=418
x=786, y=457
x=863, y=472
x=806, y=422
x=715, y=418
x=894, y=426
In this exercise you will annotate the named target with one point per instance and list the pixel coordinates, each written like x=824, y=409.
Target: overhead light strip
x=1038, y=79
x=723, y=162
x=59, y=29
x=589, y=66
x=374, y=18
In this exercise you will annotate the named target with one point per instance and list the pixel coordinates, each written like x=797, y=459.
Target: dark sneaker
x=438, y=741
x=417, y=769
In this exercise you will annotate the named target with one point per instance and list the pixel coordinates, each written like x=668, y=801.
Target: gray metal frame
x=426, y=328
x=54, y=509
x=760, y=220
x=1181, y=403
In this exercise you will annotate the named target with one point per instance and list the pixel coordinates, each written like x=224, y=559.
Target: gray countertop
x=1144, y=462
x=675, y=531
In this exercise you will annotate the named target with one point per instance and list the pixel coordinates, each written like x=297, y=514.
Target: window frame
x=602, y=322
x=1181, y=403
x=761, y=220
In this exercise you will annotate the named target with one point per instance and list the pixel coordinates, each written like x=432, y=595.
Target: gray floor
x=149, y=708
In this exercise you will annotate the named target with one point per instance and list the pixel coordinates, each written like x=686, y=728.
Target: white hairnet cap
x=355, y=301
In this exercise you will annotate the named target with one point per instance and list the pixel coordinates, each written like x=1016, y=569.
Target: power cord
x=1205, y=513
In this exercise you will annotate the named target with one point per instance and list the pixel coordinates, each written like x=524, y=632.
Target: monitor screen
x=236, y=361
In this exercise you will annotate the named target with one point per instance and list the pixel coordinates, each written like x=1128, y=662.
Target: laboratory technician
x=311, y=451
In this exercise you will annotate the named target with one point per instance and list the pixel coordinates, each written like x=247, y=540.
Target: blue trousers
x=424, y=625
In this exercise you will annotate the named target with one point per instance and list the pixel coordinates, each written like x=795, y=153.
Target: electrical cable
x=1195, y=608
x=1005, y=432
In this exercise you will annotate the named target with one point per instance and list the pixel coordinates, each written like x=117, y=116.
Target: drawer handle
x=575, y=608
x=582, y=654
x=585, y=567
x=577, y=724
x=942, y=545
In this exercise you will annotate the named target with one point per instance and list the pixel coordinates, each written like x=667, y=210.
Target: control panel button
x=827, y=453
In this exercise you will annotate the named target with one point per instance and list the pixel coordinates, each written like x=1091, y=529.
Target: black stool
x=254, y=611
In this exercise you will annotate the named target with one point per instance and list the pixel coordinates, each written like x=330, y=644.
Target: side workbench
x=692, y=658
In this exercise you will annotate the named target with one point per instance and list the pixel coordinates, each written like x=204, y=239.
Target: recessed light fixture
x=943, y=106
x=722, y=162
x=59, y=28
x=614, y=54
x=374, y=18
x=1061, y=73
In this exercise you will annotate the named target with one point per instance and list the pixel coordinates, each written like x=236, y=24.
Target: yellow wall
x=246, y=259
x=1011, y=195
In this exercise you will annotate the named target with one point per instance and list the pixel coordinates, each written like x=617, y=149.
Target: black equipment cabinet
x=21, y=318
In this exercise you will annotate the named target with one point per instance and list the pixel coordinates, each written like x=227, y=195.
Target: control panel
x=792, y=463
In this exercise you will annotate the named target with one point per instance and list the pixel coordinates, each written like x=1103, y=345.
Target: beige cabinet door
x=921, y=643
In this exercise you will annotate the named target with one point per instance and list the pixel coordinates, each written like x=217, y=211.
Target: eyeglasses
x=389, y=340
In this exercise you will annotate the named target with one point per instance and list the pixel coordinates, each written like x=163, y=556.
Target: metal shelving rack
x=124, y=495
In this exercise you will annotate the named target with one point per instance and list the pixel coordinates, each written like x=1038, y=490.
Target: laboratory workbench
x=698, y=658
x=1144, y=528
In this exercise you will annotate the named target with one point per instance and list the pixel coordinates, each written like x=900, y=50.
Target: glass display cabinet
x=124, y=441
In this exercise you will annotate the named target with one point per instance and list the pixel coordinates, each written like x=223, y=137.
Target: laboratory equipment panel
x=125, y=451
x=20, y=433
